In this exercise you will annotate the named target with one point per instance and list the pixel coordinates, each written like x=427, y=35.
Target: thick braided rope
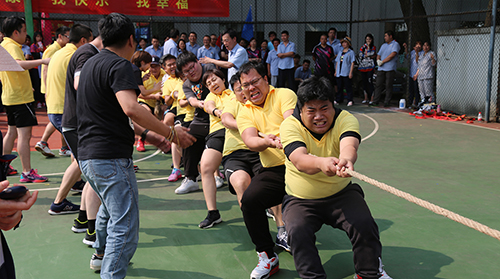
x=425, y=204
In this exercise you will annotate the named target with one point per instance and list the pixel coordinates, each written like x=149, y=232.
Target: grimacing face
x=255, y=87
x=317, y=115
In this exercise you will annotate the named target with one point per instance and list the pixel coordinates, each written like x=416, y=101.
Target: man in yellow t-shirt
x=320, y=142
x=262, y=115
x=56, y=90
x=62, y=35
x=17, y=97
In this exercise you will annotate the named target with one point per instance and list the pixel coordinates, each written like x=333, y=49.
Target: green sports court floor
x=453, y=165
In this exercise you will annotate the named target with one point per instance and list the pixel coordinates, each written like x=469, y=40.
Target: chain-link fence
x=456, y=30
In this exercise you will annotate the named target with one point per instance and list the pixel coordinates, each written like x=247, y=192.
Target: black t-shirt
x=137, y=75
x=81, y=55
x=200, y=92
x=104, y=130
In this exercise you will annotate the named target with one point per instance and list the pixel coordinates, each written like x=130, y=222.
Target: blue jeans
x=56, y=120
x=117, y=224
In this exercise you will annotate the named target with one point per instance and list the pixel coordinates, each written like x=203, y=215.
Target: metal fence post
x=490, y=61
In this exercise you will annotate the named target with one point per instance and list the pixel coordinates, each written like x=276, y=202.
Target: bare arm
x=389, y=58
x=228, y=121
x=195, y=103
x=183, y=103
x=286, y=54
x=223, y=64
x=256, y=143
x=30, y=64
x=209, y=106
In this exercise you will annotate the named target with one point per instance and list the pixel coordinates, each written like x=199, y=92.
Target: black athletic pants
x=192, y=154
x=266, y=190
x=387, y=79
x=286, y=75
x=347, y=211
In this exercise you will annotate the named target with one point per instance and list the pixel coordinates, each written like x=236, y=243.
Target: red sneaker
x=140, y=146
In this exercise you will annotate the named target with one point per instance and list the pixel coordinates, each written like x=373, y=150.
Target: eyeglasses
x=189, y=70
x=66, y=36
x=254, y=82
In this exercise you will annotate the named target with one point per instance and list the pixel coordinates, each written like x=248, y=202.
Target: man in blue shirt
x=207, y=50
x=155, y=49
x=170, y=46
x=413, y=92
x=193, y=46
x=286, y=52
x=387, y=63
x=303, y=72
x=272, y=62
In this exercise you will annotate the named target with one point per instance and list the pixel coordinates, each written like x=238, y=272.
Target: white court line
x=375, y=130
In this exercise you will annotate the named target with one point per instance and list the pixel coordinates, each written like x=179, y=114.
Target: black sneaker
x=80, y=227
x=78, y=186
x=89, y=238
x=213, y=217
x=65, y=207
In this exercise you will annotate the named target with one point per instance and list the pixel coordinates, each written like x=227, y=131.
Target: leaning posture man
x=320, y=142
x=387, y=63
x=262, y=115
x=106, y=104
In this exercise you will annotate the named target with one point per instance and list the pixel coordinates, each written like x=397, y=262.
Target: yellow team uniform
x=168, y=89
x=220, y=101
x=319, y=185
x=48, y=53
x=187, y=110
x=150, y=83
x=56, y=79
x=267, y=120
x=233, y=140
x=17, y=87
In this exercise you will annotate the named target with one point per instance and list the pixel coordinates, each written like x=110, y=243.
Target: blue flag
x=247, y=32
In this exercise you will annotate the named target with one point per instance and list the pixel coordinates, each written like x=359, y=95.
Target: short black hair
x=306, y=61
x=264, y=41
x=174, y=32
x=276, y=39
x=272, y=33
x=183, y=33
x=210, y=72
x=11, y=24
x=184, y=58
x=166, y=57
x=116, y=30
x=389, y=33
x=79, y=31
x=154, y=37
x=297, y=56
x=285, y=32
x=142, y=39
x=207, y=37
x=334, y=29
x=315, y=88
x=192, y=32
x=253, y=64
x=62, y=30
x=234, y=79
x=232, y=34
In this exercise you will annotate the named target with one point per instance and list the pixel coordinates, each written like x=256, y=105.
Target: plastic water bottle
x=480, y=117
x=439, y=108
x=402, y=103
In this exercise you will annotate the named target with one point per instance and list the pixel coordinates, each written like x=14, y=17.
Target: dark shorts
x=186, y=124
x=215, y=140
x=71, y=138
x=56, y=120
x=21, y=115
x=245, y=160
x=152, y=109
x=179, y=119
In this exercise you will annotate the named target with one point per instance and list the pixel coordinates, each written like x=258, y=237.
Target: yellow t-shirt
x=48, y=53
x=168, y=89
x=319, y=185
x=219, y=100
x=267, y=120
x=187, y=110
x=150, y=83
x=56, y=79
x=17, y=87
x=233, y=139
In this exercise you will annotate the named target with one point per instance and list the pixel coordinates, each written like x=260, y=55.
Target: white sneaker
x=44, y=149
x=266, y=267
x=64, y=152
x=187, y=186
x=349, y=104
x=95, y=262
x=219, y=182
x=383, y=276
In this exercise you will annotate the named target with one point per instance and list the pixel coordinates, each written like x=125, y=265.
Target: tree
x=416, y=20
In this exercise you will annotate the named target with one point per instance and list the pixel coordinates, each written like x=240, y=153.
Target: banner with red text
x=183, y=8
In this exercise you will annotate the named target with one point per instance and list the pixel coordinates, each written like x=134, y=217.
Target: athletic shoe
x=270, y=214
x=364, y=102
x=383, y=276
x=65, y=207
x=335, y=103
x=64, y=151
x=219, y=181
x=282, y=241
x=33, y=177
x=78, y=186
x=175, y=175
x=213, y=217
x=140, y=146
x=89, y=238
x=266, y=266
x=79, y=227
x=187, y=186
x=198, y=178
x=95, y=262
x=136, y=168
x=11, y=171
x=44, y=149
x=349, y=104
x=39, y=105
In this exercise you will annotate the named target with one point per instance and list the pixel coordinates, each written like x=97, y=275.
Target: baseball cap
x=155, y=60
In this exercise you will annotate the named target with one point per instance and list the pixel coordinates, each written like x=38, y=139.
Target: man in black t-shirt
x=195, y=92
x=107, y=97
